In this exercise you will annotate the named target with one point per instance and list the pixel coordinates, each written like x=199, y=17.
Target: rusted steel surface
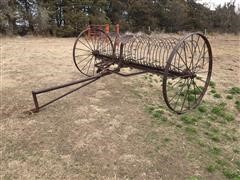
x=185, y=63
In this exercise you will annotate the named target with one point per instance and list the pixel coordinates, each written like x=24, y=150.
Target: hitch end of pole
x=34, y=94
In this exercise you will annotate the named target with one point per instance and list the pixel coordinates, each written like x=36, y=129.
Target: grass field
x=116, y=128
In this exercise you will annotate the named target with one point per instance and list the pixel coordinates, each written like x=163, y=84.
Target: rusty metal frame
x=37, y=92
x=86, y=82
x=159, y=56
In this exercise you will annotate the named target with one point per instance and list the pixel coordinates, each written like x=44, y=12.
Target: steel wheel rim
x=171, y=60
x=87, y=48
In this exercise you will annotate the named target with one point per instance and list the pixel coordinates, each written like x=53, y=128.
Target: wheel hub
x=188, y=74
x=95, y=52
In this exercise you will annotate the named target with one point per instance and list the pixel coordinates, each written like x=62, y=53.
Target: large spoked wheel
x=187, y=73
x=88, y=44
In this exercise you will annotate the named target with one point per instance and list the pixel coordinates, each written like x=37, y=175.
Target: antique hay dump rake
x=185, y=64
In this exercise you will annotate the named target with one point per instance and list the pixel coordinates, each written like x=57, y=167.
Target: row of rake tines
x=148, y=50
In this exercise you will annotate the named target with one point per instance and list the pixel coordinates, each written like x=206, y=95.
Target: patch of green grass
x=158, y=147
x=231, y=174
x=237, y=151
x=215, y=151
x=193, y=178
x=191, y=130
x=229, y=137
x=201, y=143
x=221, y=163
x=238, y=163
x=164, y=119
x=196, y=91
x=207, y=124
x=149, y=108
x=237, y=103
x=166, y=139
x=223, y=116
x=202, y=109
x=214, y=137
x=234, y=138
x=187, y=119
x=218, y=110
x=218, y=96
x=229, y=97
x=234, y=90
x=191, y=98
x=212, y=117
x=194, y=129
x=212, y=84
x=223, y=104
x=213, y=91
x=157, y=113
x=229, y=116
x=211, y=168
x=179, y=125
x=214, y=129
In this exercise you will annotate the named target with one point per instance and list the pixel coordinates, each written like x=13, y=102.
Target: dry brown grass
x=104, y=131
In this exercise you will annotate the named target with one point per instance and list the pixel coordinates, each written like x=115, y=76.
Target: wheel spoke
x=185, y=53
x=182, y=59
x=83, y=49
x=82, y=55
x=94, y=66
x=199, y=58
x=178, y=93
x=176, y=103
x=194, y=90
x=85, y=44
x=200, y=90
x=201, y=72
x=84, y=59
x=177, y=68
x=194, y=52
x=203, y=56
x=191, y=52
x=105, y=46
x=89, y=65
x=201, y=80
x=86, y=64
x=89, y=44
x=185, y=96
x=177, y=82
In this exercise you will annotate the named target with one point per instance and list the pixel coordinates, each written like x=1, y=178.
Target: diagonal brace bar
x=35, y=93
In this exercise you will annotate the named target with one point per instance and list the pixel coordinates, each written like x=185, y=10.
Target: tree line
x=66, y=18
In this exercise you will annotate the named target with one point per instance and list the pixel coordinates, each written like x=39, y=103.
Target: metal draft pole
x=41, y=91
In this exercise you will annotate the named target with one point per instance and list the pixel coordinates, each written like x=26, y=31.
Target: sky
x=214, y=3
